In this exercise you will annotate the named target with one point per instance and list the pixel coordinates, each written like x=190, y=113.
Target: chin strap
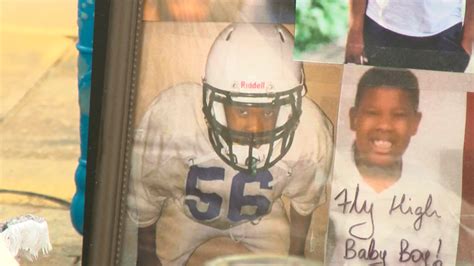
x=253, y=166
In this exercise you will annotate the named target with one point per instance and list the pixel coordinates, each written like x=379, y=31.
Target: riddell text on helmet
x=252, y=85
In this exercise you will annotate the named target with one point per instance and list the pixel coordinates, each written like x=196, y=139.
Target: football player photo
x=396, y=190
x=242, y=154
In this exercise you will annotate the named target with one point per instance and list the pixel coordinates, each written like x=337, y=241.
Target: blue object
x=85, y=21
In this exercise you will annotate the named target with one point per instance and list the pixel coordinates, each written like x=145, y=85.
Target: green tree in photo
x=319, y=22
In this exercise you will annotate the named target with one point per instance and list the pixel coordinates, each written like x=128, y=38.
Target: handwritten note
x=362, y=241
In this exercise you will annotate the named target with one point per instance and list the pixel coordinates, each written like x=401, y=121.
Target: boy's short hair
x=389, y=77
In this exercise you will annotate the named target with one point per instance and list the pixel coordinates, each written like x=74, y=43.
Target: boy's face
x=384, y=122
x=251, y=119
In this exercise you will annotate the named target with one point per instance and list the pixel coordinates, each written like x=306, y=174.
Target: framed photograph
x=402, y=169
x=211, y=145
x=431, y=35
x=206, y=139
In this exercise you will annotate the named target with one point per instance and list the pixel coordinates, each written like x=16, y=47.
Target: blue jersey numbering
x=237, y=199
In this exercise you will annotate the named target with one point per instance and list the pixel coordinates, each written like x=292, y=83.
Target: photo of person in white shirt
x=386, y=209
x=433, y=34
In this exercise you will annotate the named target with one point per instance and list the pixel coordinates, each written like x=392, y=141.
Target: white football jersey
x=173, y=160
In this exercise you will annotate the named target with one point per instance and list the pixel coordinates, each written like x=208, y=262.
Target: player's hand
x=355, y=47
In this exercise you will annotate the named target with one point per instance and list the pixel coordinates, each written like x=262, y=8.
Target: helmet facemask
x=251, y=150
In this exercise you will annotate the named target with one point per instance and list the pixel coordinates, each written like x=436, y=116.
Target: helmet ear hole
x=282, y=37
x=229, y=35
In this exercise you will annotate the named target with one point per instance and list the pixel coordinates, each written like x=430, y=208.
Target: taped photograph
x=398, y=178
x=432, y=35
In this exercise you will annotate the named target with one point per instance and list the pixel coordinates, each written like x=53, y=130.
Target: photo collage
x=328, y=132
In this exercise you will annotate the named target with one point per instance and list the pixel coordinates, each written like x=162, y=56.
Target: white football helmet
x=251, y=65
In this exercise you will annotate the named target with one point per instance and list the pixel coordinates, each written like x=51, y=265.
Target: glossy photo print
x=397, y=191
x=432, y=35
x=232, y=146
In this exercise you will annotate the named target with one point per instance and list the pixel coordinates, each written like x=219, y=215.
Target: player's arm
x=298, y=231
x=146, y=248
x=307, y=190
x=468, y=28
x=355, y=35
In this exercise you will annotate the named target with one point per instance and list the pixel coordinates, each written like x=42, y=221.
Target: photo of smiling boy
x=384, y=119
x=384, y=209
